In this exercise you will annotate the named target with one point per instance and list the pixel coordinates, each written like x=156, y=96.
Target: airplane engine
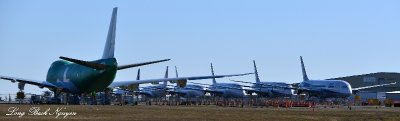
x=20, y=95
x=180, y=83
x=130, y=87
x=21, y=86
x=249, y=92
x=133, y=87
x=299, y=92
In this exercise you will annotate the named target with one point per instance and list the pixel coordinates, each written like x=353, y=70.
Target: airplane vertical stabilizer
x=176, y=72
x=303, y=69
x=166, y=76
x=138, y=74
x=110, y=42
x=212, y=73
x=166, y=73
x=255, y=72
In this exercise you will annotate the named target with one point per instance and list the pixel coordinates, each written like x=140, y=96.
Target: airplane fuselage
x=190, y=91
x=154, y=91
x=227, y=90
x=77, y=78
x=273, y=89
x=326, y=88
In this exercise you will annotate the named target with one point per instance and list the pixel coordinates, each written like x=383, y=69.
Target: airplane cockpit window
x=337, y=84
x=344, y=86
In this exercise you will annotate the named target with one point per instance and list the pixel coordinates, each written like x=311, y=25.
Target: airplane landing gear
x=56, y=98
x=20, y=93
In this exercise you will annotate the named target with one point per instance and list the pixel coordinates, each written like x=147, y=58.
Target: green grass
x=205, y=113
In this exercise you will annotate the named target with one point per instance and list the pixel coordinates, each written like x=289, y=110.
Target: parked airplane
x=189, y=91
x=78, y=76
x=268, y=89
x=328, y=88
x=154, y=91
x=160, y=90
x=226, y=90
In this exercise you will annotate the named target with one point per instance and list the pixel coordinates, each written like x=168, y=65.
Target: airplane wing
x=373, y=86
x=41, y=84
x=126, y=83
x=263, y=85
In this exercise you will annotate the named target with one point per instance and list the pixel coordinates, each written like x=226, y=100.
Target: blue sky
x=336, y=38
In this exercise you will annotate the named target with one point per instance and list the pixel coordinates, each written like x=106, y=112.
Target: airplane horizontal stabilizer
x=140, y=64
x=85, y=63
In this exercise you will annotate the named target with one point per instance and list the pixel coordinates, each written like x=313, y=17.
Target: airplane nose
x=349, y=93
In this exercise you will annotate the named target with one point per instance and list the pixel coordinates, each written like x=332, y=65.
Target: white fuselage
x=155, y=91
x=190, y=91
x=326, y=88
x=227, y=90
x=273, y=89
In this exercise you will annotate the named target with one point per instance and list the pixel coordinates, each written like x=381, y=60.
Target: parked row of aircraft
x=78, y=76
x=313, y=88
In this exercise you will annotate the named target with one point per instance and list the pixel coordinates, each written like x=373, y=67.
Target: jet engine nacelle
x=20, y=95
x=21, y=86
x=181, y=83
x=130, y=87
x=249, y=92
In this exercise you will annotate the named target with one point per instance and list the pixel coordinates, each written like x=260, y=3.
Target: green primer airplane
x=78, y=76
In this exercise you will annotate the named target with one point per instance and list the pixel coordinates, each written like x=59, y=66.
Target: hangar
x=374, y=79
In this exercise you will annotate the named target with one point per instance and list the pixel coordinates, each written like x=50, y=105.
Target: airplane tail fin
x=138, y=74
x=303, y=69
x=212, y=73
x=176, y=72
x=166, y=76
x=110, y=42
x=166, y=73
x=256, y=72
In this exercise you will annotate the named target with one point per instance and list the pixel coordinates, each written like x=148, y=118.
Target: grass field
x=202, y=113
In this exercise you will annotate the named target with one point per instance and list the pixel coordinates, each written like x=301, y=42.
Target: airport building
x=374, y=79
x=364, y=80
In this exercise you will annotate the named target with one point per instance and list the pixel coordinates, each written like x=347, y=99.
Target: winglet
x=110, y=42
x=212, y=73
x=255, y=72
x=303, y=69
